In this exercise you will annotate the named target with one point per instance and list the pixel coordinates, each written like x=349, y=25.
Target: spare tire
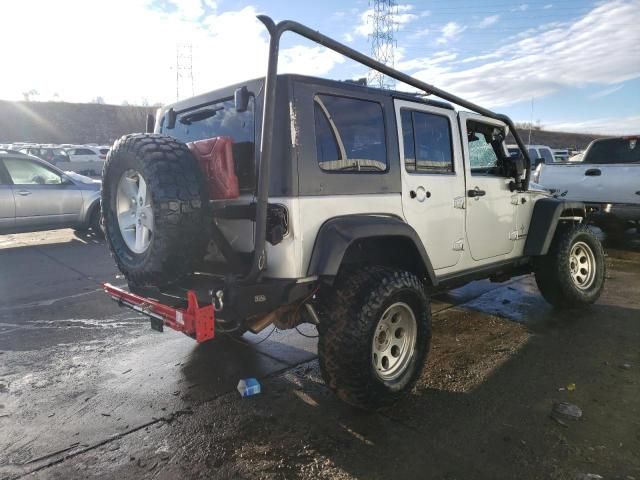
x=154, y=205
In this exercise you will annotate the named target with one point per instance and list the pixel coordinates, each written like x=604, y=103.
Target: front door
x=43, y=198
x=491, y=211
x=7, y=205
x=432, y=179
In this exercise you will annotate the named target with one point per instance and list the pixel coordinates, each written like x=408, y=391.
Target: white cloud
x=567, y=55
x=603, y=126
x=450, y=32
x=548, y=6
x=347, y=37
x=521, y=8
x=137, y=59
x=488, y=21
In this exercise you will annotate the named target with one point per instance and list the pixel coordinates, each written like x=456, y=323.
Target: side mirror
x=515, y=169
x=241, y=98
x=66, y=180
x=151, y=123
x=171, y=119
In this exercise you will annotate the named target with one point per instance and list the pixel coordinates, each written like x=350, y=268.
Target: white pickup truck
x=607, y=180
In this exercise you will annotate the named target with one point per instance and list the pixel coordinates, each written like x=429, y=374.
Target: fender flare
x=544, y=221
x=337, y=234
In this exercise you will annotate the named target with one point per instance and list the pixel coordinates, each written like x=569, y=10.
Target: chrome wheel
x=582, y=265
x=394, y=341
x=135, y=215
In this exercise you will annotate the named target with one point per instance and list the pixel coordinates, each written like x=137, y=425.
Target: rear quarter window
x=350, y=135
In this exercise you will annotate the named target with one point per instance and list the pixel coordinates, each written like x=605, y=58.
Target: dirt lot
x=87, y=390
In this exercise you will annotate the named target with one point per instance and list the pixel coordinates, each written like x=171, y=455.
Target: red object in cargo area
x=194, y=321
x=215, y=157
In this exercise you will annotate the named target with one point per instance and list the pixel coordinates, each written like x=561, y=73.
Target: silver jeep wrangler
x=292, y=199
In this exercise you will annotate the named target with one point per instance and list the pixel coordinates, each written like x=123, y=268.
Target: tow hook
x=218, y=301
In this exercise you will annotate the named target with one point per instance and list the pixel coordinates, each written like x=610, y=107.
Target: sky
x=571, y=65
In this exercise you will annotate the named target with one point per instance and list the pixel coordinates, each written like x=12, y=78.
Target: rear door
x=7, y=204
x=432, y=179
x=43, y=198
x=491, y=206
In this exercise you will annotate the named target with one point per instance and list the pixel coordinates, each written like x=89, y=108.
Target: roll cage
x=259, y=260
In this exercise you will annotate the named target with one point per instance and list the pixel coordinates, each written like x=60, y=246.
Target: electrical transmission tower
x=382, y=39
x=184, y=71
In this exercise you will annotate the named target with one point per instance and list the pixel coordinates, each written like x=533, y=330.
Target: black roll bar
x=258, y=262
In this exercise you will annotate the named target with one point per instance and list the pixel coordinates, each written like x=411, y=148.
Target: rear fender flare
x=337, y=234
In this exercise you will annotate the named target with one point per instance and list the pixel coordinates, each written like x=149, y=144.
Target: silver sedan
x=35, y=195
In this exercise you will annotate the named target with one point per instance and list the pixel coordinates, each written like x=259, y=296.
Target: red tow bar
x=194, y=321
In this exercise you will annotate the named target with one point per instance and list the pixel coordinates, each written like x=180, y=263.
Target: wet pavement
x=87, y=389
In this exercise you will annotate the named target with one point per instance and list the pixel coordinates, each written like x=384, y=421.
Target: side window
x=547, y=155
x=427, y=142
x=26, y=172
x=533, y=155
x=84, y=151
x=485, y=141
x=350, y=135
x=4, y=177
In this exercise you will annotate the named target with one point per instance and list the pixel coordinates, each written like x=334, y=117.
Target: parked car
x=560, y=154
x=537, y=153
x=35, y=195
x=607, y=180
x=85, y=154
x=53, y=155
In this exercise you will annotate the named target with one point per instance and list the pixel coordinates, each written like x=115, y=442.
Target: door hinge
x=458, y=202
x=514, y=235
x=458, y=245
x=515, y=200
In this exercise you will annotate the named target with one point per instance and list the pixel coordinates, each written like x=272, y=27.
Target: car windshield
x=614, y=150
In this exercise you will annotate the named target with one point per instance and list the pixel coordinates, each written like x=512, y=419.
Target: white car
x=537, y=153
x=85, y=154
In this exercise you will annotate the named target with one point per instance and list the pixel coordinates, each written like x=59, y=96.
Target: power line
x=382, y=38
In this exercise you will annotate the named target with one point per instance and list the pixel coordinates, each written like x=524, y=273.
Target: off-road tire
x=351, y=312
x=179, y=204
x=553, y=274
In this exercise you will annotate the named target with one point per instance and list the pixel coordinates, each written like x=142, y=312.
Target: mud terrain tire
x=177, y=199
x=572, y=273
x=352, y=314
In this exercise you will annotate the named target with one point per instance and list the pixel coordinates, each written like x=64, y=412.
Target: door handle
x=593, y=172
x=476, y=192
x=24, y=193
x=420, y=194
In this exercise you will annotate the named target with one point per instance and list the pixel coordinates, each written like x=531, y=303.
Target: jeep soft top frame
x=259, y=260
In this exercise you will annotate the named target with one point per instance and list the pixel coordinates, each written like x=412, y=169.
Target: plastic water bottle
x=248, y=387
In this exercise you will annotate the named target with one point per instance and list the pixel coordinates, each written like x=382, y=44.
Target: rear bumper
x=236, y=304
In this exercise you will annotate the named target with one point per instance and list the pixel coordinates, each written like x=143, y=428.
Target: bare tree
x=29, y=95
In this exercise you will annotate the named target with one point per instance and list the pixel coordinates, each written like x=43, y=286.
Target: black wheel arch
x=547, y=213
x=338, y=236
